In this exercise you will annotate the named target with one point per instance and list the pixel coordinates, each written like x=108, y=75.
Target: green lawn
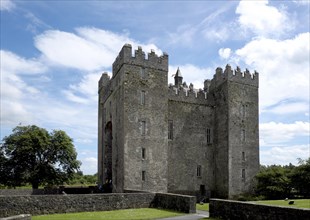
x=204, y=207
x=133, y=214
x=298, y=203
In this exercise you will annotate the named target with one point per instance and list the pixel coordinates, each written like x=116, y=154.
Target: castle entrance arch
x=108, y=152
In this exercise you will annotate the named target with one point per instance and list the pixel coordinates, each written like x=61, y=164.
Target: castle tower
x=236, y=134
x=132, y=122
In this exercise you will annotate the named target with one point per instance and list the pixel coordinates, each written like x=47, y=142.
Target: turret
x=178, y=79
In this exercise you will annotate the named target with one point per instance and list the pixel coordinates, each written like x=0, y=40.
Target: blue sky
x=53, y=53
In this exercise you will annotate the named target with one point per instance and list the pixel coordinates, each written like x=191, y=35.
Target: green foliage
x=300, y=178
x=279, y=182
x=273, y=182
x=32, y=155
x=80, y=179
x=144, y=213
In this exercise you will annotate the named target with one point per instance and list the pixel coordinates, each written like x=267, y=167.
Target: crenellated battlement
x=139, y=59
x=236, y=75
x=187, y=94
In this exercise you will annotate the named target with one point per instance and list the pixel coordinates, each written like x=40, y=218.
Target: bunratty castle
x=172, y=138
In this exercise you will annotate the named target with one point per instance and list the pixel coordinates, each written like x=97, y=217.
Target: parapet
x=139, y=59
x=235, y=75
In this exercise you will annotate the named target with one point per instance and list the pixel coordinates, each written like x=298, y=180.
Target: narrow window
x=143, y=175
x=143, y=125
x=243, y=156
x=198, y=171
x=243, y=108
x=142, y=97
x=142, y=72
x=243, y=175
x=143, y=153
x=170, y=129
x=242, y=135
x=208, y=135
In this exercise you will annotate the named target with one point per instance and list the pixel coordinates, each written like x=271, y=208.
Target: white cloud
x=89, y=165
x=224, y=53
x=283, y=67
x=89, y=50
x=282, y=155
x=6, y=5
x=290, y=108
x=263, y=19
x=12, y=63
x=302, y=2
x=191, y=74
x=14, y=90
x=273, y=133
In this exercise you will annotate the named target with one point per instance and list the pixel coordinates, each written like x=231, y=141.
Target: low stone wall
x=175, y=202
x=49, y=204
x=227, y=209
x=18, y=217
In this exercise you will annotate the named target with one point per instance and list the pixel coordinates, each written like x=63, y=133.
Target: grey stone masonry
x=50, y=204
x=234, y=210
x=176, y=138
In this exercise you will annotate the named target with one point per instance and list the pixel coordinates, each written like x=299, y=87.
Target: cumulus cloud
x=262, y=18
x=274, y=133
x=89, y=165
x=283, y=67
x=14, y=90
x=89, y=49
x=282, y=155
x=224, y=53
x=7, y=5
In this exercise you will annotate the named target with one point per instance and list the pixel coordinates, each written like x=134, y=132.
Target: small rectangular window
x=143, y=153
x=242, y=135
x=143, y=126
x=243, y=156
x=243, y=111
x=198, y=171
x=143, y=175
x=243, y=175
x=208, y=136
x=170, y=129
x=142, y=73
x=142, y=97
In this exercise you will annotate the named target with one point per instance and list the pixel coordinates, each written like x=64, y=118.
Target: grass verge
x=203, y=207
x=133, y=214
x=298, y=203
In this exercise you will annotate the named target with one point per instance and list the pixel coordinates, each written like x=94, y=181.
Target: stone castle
x=173, y=138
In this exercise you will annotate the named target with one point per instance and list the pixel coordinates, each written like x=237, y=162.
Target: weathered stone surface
x=235, y=210
x=211, y=147
x=49, y=204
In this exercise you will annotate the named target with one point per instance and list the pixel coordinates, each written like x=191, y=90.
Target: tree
x=300, y=177
x=32, y=155
x=273, y=182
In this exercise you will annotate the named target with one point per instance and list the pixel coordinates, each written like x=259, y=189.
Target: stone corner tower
x=236, y=133
x=132, y=152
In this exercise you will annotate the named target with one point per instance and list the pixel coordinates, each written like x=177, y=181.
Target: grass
x=298, y=203
x=204, y=207
x=133, y=214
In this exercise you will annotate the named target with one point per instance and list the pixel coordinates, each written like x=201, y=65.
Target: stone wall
x=50, y=204
x=227, y=209
x=175, y=202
